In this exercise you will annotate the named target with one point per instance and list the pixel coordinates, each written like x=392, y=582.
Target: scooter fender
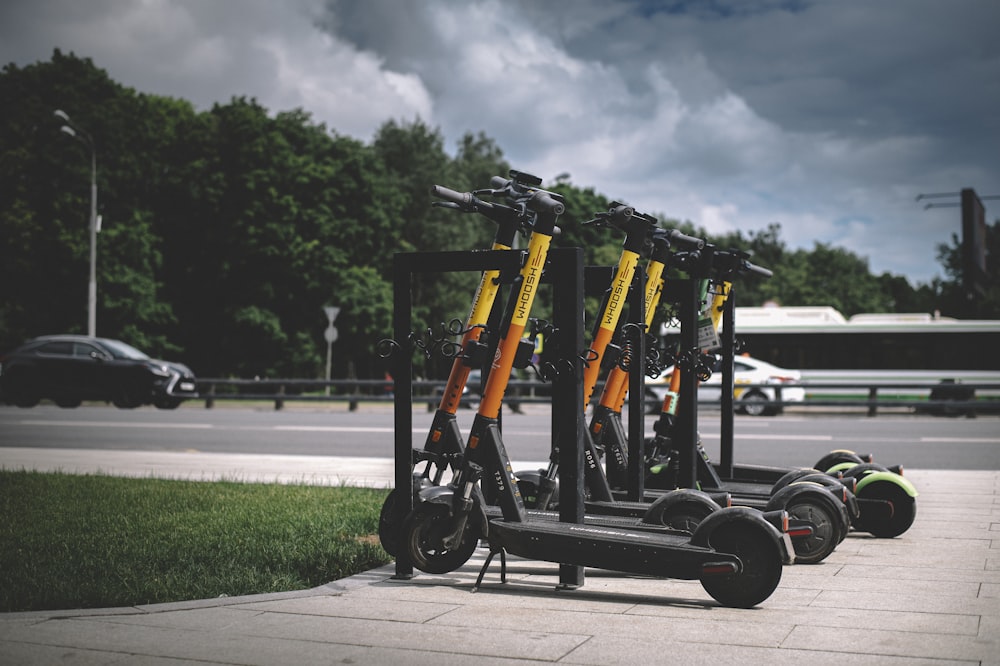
x=695, y=499
x=821, y=494
x=420, y=482
x=703, y=533
x=891, y=477
x=445, y=495
x=839, y=468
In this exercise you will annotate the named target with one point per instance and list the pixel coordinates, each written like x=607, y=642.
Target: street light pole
x=74, y=131
x=330, y=334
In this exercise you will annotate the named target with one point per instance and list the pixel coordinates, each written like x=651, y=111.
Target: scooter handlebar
x=543, y=202
x=678, y=238
x=461, y=198
x=757, y=270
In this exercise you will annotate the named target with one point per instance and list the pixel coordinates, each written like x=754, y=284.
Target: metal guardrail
x=951, y=399
x=352, y=391
x=355, y=391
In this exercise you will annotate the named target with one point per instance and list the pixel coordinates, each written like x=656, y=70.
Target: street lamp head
x=68, y=130
x=59, y=113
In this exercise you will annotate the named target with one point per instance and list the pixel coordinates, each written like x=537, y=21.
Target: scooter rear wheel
x=837, y=457
x=683, y=516
x=423, y=532
x=792, y=476
x=761, y=560
x=904, y=510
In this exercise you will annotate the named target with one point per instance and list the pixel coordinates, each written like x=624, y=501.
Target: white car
x=755, y=400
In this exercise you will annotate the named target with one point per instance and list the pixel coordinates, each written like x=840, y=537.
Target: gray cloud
x=826, y=117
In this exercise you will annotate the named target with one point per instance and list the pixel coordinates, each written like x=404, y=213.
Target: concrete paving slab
x=626, y=652
x=843, y=618
x=898, y=572
x=350, y=606
x=885, y=600
x=529, y=641
x=931, y=596
x=893, y=643
x=694, y=629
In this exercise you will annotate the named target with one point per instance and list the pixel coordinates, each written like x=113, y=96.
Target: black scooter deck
x=616, y=521
x=741, y=490
x=623, y=508
x=602, y=547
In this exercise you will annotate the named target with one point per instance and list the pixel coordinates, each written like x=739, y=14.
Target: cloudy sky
x=827, y=117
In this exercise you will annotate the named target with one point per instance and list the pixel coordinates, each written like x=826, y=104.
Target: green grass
x=70, y=541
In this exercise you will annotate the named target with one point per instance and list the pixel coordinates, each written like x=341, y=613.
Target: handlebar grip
x=678, y=238
x=543, y=202
x=759, y=270
x=499, y=182
x=461, y=198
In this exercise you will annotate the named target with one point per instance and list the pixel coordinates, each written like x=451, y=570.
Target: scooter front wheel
x=761, y=561
x=424, y=531
x=388, y=525
x=826, y=534
x=903, y=510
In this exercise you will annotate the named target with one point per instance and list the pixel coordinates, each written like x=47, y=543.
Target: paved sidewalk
x=931, y=596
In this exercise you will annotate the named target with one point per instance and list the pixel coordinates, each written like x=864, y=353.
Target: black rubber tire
x=20, y=390
x=126, y=398
x=68, y=402
x=756, y=403
x=422, y=532
x=388, y=525
x=827, y=532
x=791, y=477
x=684, y=516
x=904, y=510
x=21, y=393
x=761, y=565
x=835, y=458
x=859, y=471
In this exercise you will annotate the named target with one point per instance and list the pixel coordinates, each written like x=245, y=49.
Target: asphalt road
x=793, y=439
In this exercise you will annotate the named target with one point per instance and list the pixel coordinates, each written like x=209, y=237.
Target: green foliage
x=95, y=541
x=968, y=303
x=226, y=231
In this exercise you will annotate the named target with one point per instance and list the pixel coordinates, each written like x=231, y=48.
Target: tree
x=45, y=207
x=414, y=156
x=226, y=231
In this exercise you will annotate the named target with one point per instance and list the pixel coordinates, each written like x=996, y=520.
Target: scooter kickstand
x=486, y=565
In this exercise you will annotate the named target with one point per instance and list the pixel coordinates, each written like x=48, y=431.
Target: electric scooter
x=819, y=515
x=443, y=446
x=539, y=488
x=886, y=500
x=735, y=553
x=886, y=508
x=817, y=520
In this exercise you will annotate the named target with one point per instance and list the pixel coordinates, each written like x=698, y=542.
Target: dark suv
x=69, y=369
